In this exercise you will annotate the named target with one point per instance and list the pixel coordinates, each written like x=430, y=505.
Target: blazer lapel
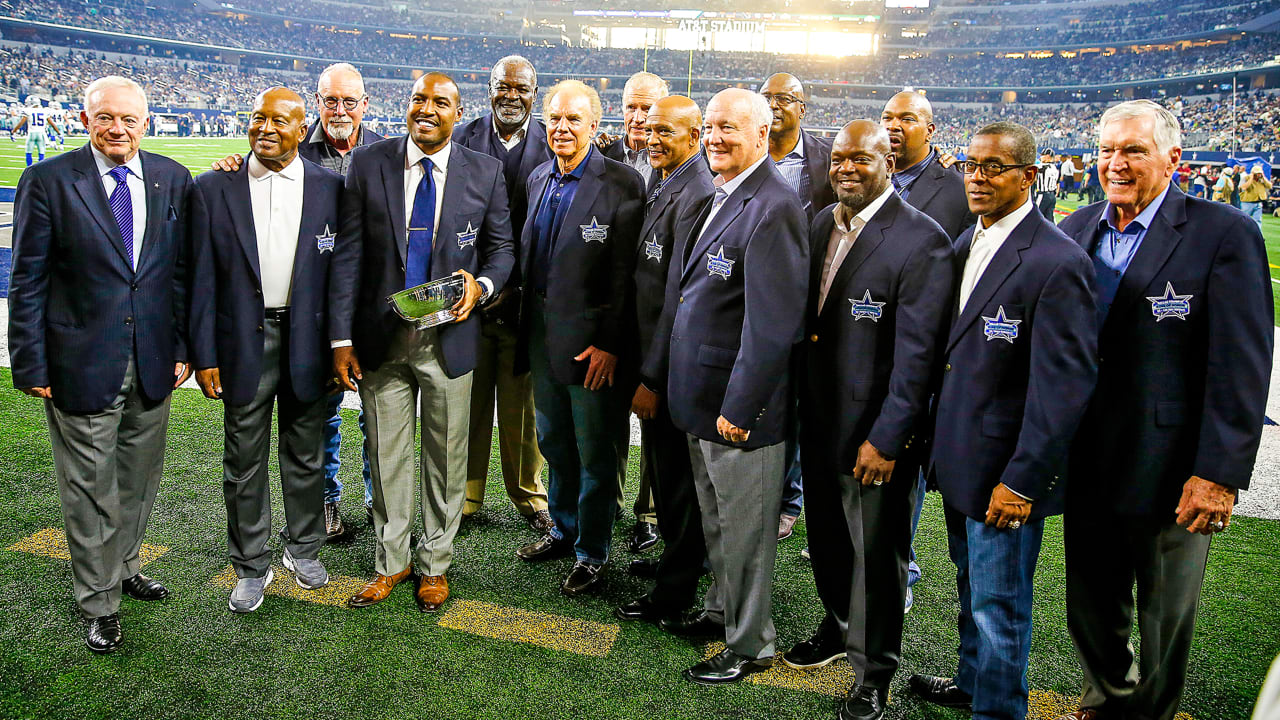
x=925, y=186
x=1002, y=265
x=154, y=191
x=868, y=240
x=535, y=200
x=236, y=192
x=455, y=184
x=393, y=187
x=94, y=197
x=664, y=201
x=583, y=198
x=1161, y=240
x=307, y=239
x=730, y=210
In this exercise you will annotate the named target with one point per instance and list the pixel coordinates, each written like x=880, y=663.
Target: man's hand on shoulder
x=230, y=163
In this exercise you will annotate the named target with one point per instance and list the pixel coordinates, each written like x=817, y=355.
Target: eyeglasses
x=347, y=103
x=989, y=169
x=782, y=99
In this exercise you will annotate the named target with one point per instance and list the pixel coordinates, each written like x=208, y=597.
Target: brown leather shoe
x=1082, y=714
x=433, y=590
x=377, y=589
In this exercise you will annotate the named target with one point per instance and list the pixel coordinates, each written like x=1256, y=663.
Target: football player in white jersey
x=36, y=118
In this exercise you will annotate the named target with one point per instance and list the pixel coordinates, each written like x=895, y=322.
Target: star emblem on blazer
x=866, y=308
x=595, y=232
x=653, y=249
x=1000, y=327
x=467, y=237
x=1170, y=305
x=718, y=264
x=324, y=241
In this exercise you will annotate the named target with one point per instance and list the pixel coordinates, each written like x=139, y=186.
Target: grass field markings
x=52, y=542
x=834, y=679
x=553, y=632
x=336, y=593
x=1048, y=705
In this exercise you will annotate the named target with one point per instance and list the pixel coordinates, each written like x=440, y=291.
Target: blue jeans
x=914, y=573
x=332, y=444
x=1253, y=210
x=994, y=573
x=576, y=434
x=793, y=481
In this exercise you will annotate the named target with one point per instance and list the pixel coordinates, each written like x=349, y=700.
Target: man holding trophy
x=425, y=236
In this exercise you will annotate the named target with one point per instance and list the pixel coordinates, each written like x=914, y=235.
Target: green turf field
x=189, y=657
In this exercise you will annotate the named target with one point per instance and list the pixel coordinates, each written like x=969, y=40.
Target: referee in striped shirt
x=1047, y=184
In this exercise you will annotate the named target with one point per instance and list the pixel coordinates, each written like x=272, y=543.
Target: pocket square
x=173, y=214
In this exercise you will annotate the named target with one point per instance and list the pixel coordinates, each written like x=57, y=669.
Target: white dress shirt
x=137, y=194
x=439, y=172
x=277, y=216
x=983, y=247
x=843, y=235
x=725, y=188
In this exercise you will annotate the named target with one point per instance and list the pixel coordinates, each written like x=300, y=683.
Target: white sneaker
x=309, y=574
x=248, y=593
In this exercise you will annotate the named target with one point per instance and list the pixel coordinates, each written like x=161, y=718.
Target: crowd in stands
x=477, y=18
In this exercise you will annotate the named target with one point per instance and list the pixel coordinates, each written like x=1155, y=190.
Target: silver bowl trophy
x=429, y=304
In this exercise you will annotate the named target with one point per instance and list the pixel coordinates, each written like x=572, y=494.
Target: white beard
x=340, y=131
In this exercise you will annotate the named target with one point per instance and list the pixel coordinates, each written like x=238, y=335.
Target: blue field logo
x=595, y=232
x=1170, y=305
x=718, y=264
x=324, y=241
x=866, y=308
x=1000, y=327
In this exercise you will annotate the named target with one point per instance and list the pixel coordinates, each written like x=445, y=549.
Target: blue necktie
x=422, y=220
x=122, y=208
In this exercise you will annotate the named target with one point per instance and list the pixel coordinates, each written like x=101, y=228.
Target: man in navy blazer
x=681, y=187
x=511, y=134
x=1019, y=368
x=261, y=240
x=920, y=177
x=97, y=327
x=737, y=309
x=416, y=209
x=577, y=252
x=879, y=294
x=1169, y=439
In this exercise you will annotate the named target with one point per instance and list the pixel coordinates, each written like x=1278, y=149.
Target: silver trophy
x=429, y=304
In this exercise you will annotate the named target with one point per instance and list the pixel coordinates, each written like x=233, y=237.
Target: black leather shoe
x=545, y=548
x=141, y=587
x=727, y=667
x=643, y=536
x=103, y=634
x=940, y=691
x=823, y=648
x=583, y=577
x=643, y=568
x=642, y=608
x=863, y=703
x=696, y=624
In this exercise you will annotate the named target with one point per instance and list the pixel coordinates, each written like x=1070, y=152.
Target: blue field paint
x=6, y=255
x=7, y=193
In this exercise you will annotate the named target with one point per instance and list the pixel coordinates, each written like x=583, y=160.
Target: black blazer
x=226, y=283
x=1020, y=365
x=368, y=260
x=817, y=161
x=738, y=311
x=77, y=307
x=588, y=282
x=671, y=216
x=871, y=355
x=1179, y=394
x=939, y=193
x=533, y=151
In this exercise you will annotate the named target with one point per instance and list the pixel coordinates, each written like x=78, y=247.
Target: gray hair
x=109, y=82
x=513, y=60
x=1167, y=134
x=340, y=67
x=597, y=111
x=761, y=113
x=1024, y=143
x=647, y=77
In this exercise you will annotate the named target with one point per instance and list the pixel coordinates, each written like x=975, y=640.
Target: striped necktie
x=122, y=208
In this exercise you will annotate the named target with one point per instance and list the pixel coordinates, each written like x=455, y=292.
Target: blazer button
x=259, y=328
x=813, y=338
x=128, y=320
x=681, y=298
x=257, y=291
x=947, y=368
x=134, y=287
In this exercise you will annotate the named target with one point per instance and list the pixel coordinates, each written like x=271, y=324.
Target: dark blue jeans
x=914, y=573
x=332, y=444
x=576, y=434
x=994, y=571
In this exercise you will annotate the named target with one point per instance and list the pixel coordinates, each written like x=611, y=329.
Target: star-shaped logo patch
x=1000, y=327
x=653, y=249
x=324, y=241
x=1170, y=305
x=595, y=232
x=718, y=264
x=467, y=237
x=866, y=308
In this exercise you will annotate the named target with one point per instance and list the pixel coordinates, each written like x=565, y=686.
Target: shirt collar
x=798, y=150
x=906, y=176
x=259, y=172
x=106, y=164
x=1001, y=228
x=578, y=171
x=1143, y=221
x=731, y=185
x=865, y=214
x=414, y=155
x=523, y=131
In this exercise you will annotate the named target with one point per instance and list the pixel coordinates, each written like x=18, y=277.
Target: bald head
x=673, y=129
x=787, y=101
x=908, y=116
x=341, y=85
x=276, y=126
x=861, y=163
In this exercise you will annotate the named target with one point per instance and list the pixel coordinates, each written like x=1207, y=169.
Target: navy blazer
x=312, y=151
x=1183, y=393
x=1020, y=365
x=870, y=357
x=817, y=163
x=589, y=282
x=369, y=257
x=534, y=150
x=227, y=309
x=939, y=193
x=671, y=216
x=77, y=307
x=738, y=311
